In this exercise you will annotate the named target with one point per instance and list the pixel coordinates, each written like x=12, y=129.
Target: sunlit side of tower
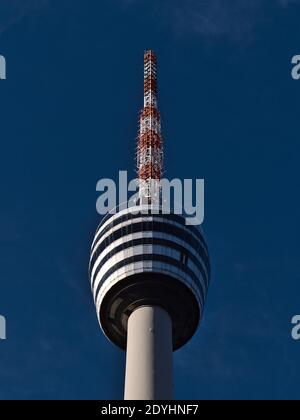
x=149, y=271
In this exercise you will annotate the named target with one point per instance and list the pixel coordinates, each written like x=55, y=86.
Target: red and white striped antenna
x=150, y=147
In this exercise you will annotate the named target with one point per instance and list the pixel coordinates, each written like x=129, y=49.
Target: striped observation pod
x=143, y=257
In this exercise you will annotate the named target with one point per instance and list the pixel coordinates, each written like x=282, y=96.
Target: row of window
x=152, y=257
x=184, y=254
x=131, y=216
x=155, y=227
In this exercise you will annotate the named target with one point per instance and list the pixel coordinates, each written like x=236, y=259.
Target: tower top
x=142, y=257
x=150, y=79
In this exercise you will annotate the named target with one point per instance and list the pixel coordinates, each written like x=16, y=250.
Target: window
x=184, y=258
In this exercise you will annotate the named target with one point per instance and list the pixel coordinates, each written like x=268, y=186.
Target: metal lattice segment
x=150, y=146
x=150, y=79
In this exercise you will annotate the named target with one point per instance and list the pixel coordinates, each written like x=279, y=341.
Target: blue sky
x=69, y=114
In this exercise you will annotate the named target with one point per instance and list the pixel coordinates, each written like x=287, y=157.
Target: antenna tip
x=150, y=54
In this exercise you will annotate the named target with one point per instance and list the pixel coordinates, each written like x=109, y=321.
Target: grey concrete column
x=149, y=355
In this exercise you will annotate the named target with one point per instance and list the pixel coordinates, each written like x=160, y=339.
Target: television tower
x=149, y=271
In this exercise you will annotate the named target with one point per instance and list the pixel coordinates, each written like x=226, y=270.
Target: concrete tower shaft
x=148, y=360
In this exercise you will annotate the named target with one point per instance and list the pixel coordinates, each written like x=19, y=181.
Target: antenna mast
x=150, y=147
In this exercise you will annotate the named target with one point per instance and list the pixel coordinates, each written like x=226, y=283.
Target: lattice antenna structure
x=150, y=145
